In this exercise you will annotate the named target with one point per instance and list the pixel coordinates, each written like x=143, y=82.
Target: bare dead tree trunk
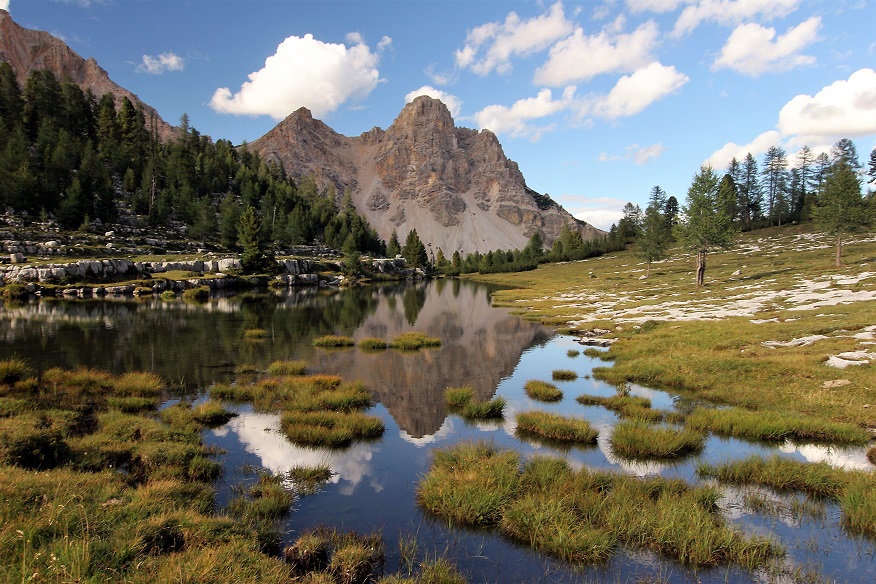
x=701, y=267
x=839, y=250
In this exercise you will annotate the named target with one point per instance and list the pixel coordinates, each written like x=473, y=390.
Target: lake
x=194, y=346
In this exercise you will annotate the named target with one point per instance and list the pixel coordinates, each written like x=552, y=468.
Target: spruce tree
x=256, y=256
x=655, y=230
x=841, y=209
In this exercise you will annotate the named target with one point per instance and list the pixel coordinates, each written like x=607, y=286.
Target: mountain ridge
x=454, y=185
x=28, y=50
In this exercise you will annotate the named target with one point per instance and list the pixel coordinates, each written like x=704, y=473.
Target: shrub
x=543, y=391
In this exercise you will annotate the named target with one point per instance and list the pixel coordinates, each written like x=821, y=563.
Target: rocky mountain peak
x=31, y=50
x=454, y=185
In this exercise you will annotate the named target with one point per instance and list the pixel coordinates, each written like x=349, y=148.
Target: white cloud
x=731, y=12
x=722, y=157
x=4, y=5
x=453, y=103
x=639, y=154
x=843, y=109
x=601, y=212
x=753, y=49
x=633, y=93
x=581, y=57
x=305, y=72
x=491, y=46
x=515, y=120
x=654, y=5
x=168, y=61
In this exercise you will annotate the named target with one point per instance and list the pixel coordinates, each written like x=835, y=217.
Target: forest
x=77, y=158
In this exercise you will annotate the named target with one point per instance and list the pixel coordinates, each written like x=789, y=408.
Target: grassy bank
x=759, y=335
x=583, y=516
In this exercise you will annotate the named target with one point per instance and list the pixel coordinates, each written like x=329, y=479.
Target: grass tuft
x=774, y=426
x=414, y=341
x=564, y=375
x=333, y=341
x=639, y=439
x=373, y=344
x=458, y=397
x=556, y=427
x=543, y=391
x=278, y=368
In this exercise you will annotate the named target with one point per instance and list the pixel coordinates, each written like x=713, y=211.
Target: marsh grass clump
x=556, y=427
x=858, y=503
x=564, y=375
x=414, y=341
x=774, y=426
x=470, y=483
x=255, y=334
x=12, y=370
x=266, y=499
x=484, y=410
x=542, y=391
x=639, y=439
x=334, y=342
x=308, y=478
x=199, y=294
x=458, y=397
x=139, y=383
x=234, y=393
x=593, y=352
x=331, y=556
x=279, y=368
x=131, y=405
x=373, y=344
x=871, y=454
x=573, y=353
x=625, y=405
x=582, y=516
x=211, y=414
x=331, y=429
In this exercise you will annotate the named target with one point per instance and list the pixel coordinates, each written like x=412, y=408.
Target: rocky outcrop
x=455, y=186
x=31, y=50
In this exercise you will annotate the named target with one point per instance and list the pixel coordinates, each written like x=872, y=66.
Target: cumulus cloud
x=601, y=212
x=4, y=5
x=491, y=46
x=453, y=103
x=722, y=157
x=581, y=57
x=157, y=65
x=639, y=154
x=843, y=109
x=729, y=12
x=753, y=49
x=305, y=72
x=633, y=93
x=515, y=120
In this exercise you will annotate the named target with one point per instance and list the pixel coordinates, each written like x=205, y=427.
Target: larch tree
x=706, y=224
x=841, y=209
x=655, y=231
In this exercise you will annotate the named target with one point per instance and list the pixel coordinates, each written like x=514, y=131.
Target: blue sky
x=597, y=101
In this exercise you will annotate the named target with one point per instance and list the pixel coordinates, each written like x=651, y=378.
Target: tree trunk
x=839, y=250
x=648, y=273
x=701, y=267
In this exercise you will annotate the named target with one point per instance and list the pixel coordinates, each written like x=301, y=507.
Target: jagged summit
x=31, y=50
x=454, y=185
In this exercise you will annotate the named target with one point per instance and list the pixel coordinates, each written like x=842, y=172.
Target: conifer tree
x=706, y=225
x=655, y=232
x=841, y=209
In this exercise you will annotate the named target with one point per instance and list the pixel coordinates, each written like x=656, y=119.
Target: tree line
x=826, y=190
x=68, y=155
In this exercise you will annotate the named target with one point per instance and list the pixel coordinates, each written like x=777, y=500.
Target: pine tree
x=414, y=251
x=706, y=225
x=655, y=232
x=256, y=256
x=775, y=174
x=841, y=209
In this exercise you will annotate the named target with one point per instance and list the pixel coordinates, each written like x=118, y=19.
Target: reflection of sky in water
x=259, y=434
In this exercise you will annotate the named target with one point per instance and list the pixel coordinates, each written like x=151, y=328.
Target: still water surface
x=197, y=345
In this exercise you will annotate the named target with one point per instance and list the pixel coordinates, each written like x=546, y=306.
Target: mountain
x=30, y=50
x=454, y=185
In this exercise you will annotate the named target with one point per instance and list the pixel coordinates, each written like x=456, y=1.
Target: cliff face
x=31, y=50
x=455, y=186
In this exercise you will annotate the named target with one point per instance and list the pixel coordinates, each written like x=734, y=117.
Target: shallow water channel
x=196, y=345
